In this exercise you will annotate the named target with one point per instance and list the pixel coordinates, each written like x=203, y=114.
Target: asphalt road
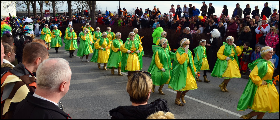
x=94, y=92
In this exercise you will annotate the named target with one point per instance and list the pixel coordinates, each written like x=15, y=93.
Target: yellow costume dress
x=258, y=97
x=101, y=55
x=227, y=69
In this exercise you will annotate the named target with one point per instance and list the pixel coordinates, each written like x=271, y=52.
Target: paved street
x=94, y=92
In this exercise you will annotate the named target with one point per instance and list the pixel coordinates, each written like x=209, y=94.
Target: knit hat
x=264, y=17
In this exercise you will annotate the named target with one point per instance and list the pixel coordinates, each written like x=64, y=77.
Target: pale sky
x=164, y=6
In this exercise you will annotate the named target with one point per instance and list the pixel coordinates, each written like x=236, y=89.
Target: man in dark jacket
x=237, y=11
x=190, y=10
x=52, y=85
x=247, y=10
x=203, y=9
x=185, y=34
x=178, y=11
x=211, y=10
x=255, y=12
x=266, y=10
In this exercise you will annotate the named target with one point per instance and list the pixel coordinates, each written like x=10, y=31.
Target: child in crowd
x=274, y=59
x=200, y=28
x=194, y=30
x=120, y=22
x=179, y=28
x=256, y=54
x=245, y=57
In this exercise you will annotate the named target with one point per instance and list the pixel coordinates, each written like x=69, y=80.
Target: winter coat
x=272, y=39
x=246, y=12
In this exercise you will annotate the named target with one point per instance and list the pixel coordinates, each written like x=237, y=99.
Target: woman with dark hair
x=139, y=88
x=232, y=28
x=253, y=26
x=225, y=11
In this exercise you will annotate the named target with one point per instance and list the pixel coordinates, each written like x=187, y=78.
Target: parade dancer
x=183, y=72
x=71, y=42
x=110, y=35
x=85, y=45
x=131, y=52
x=102, y=51
x=66, y=31
x=227, y=63
x=46, y=35
x=137, y=37
x=90, y=30
x=56, y=39
x=200, y=60
x=163, y=35
x=260, y=94
x=160, y=67
x=115, y=56
x=96, y=35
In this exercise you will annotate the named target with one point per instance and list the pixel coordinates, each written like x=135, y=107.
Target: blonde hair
x=131, y=34
x=138, y=87
x=184, y=40
x=134, y=29
x=40, y=41
x=104, y=33
x=265, y=50
x=229, y=38
x=118, y=33
x=247, y=27
x=162, y=41
x=274, y=30
x=161, y=115
x=163, y=33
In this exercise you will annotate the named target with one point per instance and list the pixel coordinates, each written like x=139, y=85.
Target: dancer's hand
x=137, y=51
x=128, y=51
x=234, y=45
x=162, y=69
x=264, y=82
x=102, y=48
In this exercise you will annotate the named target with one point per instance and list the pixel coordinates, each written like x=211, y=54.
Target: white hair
x=187, y=28
x=118, y=33
x=163, y=33
x=97, y=28
x=134, y=29
x=215, y=33
x=104, y=33
x=52, y=72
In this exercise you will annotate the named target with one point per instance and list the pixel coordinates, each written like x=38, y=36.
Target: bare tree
x=69, y=9
x=41, y=8
x=33, y=3
x=92, y=5
x=27, y=3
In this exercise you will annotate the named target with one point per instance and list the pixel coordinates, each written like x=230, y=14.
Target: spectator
x=137, y=11
x=179, y=28
x=256, y=54
x=155, y=24
x=162, y=22
x=194, y=30
x=154, y=12
x=161, y=115
x=139, y=88
x=120, y=21
x=2, y=57
x=232, y=28
x=237, y=11
x=253, y=26
x=99, y=20
x=239, y=31
x=185, y=22
x=196, y=12
x=185, y=34
x=225, y=11
x=247, y=10
x=257, y=20
x=255, y=12
x=203, y=9
x=262, y=29
x=211, y=10
x=140, y=12
x=209, y=28
x=172, y=9
x=190, y=11
x=178, y=11
x=222, y=30
x=158, y=12
x=266, y=10
x=186, y=11
x=9, y=57
x=53, y=83
x=272, y=38
x=24, y=72
x=245, y=57
x=275, y=59
x=200, y=28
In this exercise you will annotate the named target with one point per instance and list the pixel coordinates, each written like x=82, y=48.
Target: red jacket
x=99, y=20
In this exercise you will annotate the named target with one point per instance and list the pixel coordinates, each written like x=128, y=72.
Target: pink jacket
x=271, y=40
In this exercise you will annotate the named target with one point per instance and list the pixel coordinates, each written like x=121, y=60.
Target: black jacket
x=203, y=10
x=36, y=108
x=254, y=13
x=246, y=12
x=225, y=12
x=222, y=30
x=266, y=11
x=211, y=10
x=139, y=112
x=245, y=37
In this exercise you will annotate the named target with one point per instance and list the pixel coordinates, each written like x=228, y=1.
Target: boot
x=112, y=71
x=105, y=66
x=222, y=86
x=98, y=65
x=178, y=102
x=56, y=50
x=197, y=79
x=248, y=116
x=183, y=98
x=225, y=87
x=153, y=89
x=120, y=72
x=70, y=55
x=160, y=90
x=205, y=79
